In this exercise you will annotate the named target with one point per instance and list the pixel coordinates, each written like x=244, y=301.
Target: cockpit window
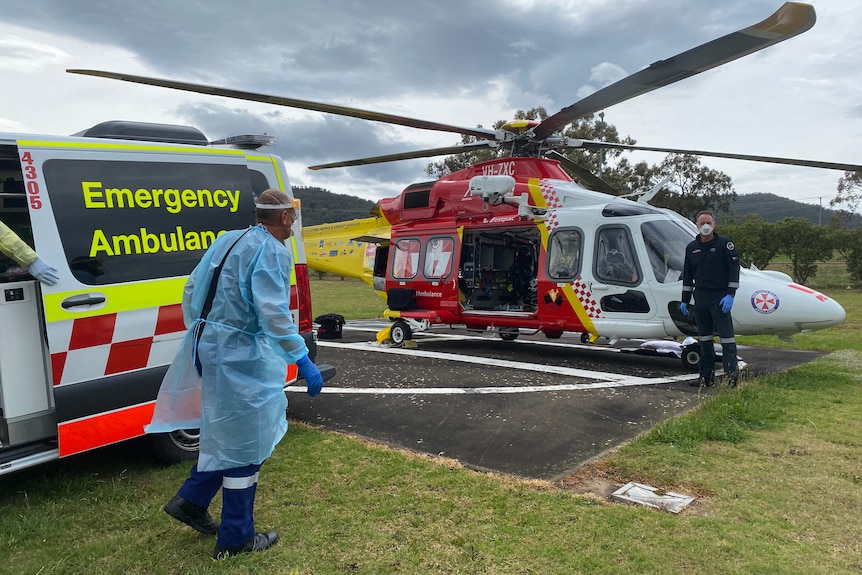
x=564, y=255
x=616, y=261
x=665, y=243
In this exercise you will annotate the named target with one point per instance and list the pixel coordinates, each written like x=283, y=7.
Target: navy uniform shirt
x=712, y=266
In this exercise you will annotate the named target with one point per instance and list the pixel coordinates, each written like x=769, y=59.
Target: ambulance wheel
x=691, y=357
x=509, y=334
x=400, y=332
x=180, y=445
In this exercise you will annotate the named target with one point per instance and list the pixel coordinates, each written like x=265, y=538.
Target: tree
x=804, y=244
x=699, y=188
x=848, y=243
x=849, y=198
x=754, y=239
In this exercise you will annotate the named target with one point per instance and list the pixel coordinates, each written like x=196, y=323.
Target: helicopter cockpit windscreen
x=665, y=243
x=616, y=261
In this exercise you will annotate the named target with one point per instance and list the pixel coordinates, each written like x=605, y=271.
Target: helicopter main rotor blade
x=791, y=19
x=573, y=143
x=585, y=176
x=291, y=103
x=410, y=155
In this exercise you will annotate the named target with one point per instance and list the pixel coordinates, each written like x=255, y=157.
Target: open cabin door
x=498, y=269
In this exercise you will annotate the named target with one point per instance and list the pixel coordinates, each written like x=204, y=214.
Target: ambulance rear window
x=122, y=221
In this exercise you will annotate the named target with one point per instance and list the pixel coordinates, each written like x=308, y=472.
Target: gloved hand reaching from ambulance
x=43, y=272
x=14, y=247
x=311, y=375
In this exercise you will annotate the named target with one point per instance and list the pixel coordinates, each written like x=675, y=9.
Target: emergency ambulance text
x=146, y=242
x=173, y=199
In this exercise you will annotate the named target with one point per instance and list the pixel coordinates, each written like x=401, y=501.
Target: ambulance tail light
x=302, y=293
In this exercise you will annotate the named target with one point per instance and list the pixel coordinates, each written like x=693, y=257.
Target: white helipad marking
x=602, y=380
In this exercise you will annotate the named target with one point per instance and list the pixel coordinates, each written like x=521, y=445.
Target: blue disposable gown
x=248, y=339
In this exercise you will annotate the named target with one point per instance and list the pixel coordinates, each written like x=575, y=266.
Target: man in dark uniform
x=711, y=275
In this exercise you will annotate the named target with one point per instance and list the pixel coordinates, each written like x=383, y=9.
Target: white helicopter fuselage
x=648, y=245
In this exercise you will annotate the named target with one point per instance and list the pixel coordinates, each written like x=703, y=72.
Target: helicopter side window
x=665, y=243
x=438, y=257
x=564, y=255
x=405, y=262
x=615, y=257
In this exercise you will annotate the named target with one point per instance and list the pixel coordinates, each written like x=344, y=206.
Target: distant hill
x=774, y=208
x=321, y=206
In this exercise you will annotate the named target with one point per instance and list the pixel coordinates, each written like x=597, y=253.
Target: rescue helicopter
x=516, y=243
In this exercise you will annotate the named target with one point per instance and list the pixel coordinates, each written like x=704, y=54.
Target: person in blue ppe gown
x=228, y=376
x=711, y=274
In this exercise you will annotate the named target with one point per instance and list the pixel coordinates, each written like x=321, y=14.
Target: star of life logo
x=764, y=301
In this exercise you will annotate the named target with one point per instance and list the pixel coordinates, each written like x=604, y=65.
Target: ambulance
x=124, y=211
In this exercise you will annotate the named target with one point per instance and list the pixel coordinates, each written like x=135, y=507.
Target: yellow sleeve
x=15, y=248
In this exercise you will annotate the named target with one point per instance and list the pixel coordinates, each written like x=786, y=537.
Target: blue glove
x=43, y=272
x=726, y=303
x=683, y=307
x=311, y=375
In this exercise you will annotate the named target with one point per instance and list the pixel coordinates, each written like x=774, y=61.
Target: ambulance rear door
x=124, y=223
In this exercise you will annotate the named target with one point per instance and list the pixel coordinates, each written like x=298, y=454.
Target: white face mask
x=705, y=229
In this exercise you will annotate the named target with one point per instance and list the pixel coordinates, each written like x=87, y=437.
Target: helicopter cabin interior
x=498, y=269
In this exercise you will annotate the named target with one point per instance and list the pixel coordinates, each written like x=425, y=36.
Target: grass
x=775, y=464
x=352, y=298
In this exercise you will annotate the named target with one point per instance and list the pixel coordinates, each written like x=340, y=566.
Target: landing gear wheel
x=400, y=332
x=509, y=335
x=691, y=357
x=585, y=337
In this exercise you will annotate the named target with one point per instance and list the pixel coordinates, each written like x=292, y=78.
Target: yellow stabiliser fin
x=346, y=248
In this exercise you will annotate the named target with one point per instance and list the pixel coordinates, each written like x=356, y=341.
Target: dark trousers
x=710, y=320
x=239, y=487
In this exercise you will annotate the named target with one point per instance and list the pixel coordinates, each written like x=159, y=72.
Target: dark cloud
x=307, y=141
x=364, y=54
x=359, y=50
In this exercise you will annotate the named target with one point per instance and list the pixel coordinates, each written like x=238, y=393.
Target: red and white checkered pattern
x=551, y=221
x=549, y=193
x=584, y=296
x=93, y=347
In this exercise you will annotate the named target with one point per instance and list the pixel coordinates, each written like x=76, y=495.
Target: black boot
x=259, y=542
x=192, y=515
x=733, y=379
x=703, y=382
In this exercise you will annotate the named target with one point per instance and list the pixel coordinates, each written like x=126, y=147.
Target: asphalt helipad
x=533, y=407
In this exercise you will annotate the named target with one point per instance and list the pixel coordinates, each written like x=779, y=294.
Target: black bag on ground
x=330, y=326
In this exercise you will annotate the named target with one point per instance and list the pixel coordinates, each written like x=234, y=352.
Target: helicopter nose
x=826, y=313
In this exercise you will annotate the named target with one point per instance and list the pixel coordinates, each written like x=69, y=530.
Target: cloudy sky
x=453, y=61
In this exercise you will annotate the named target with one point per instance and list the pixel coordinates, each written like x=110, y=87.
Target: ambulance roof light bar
x=246, y=141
